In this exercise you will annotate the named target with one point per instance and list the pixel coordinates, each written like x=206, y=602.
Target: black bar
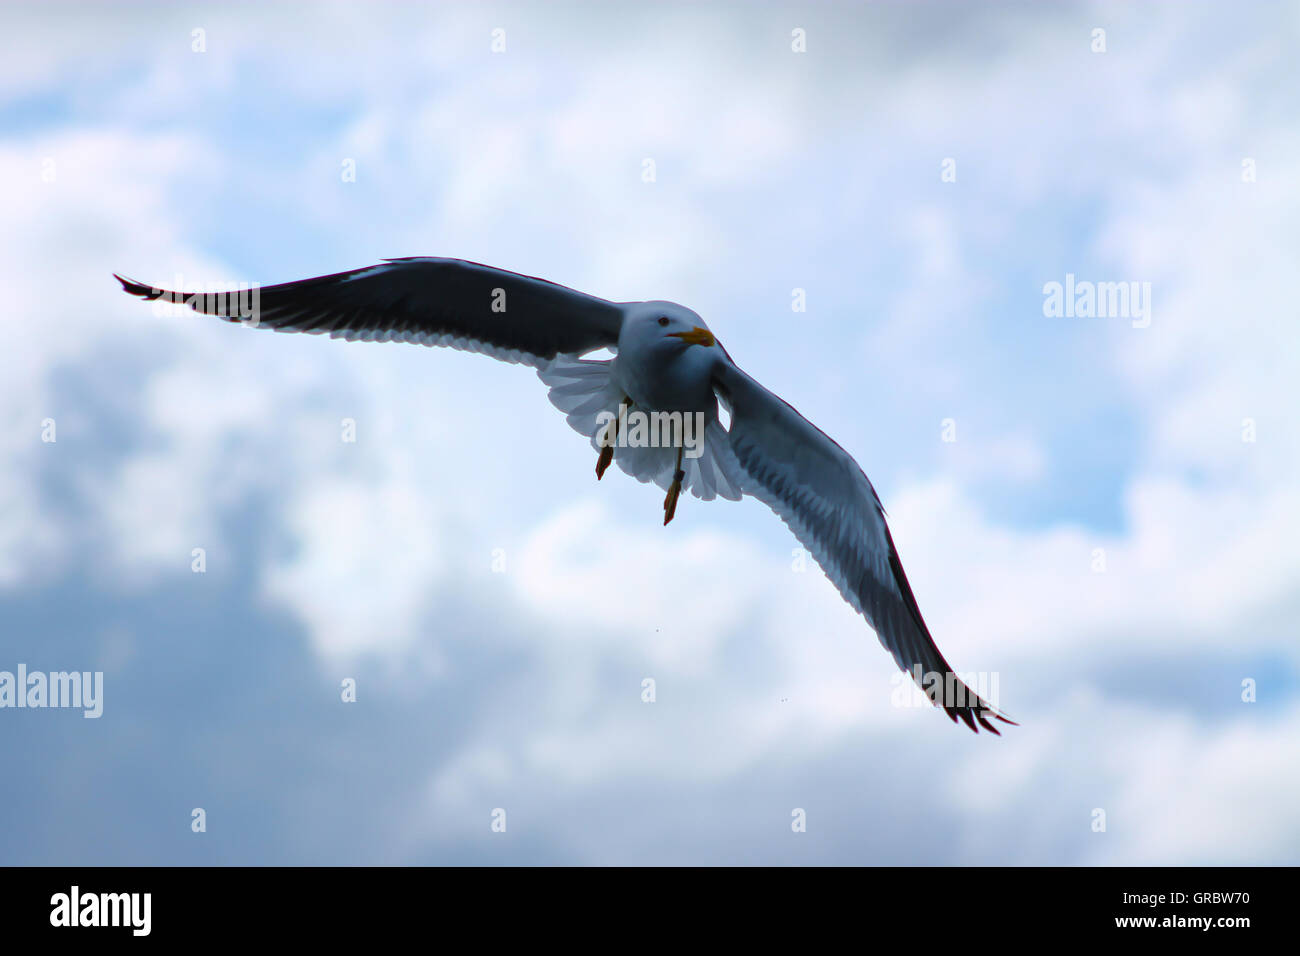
x=977, y=905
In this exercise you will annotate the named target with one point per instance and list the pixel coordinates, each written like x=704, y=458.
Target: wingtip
x=132, y=287
x=975, y=717
x=984, y=715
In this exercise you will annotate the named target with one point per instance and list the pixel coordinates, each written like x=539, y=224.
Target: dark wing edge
x=428, y=301
x=960, y=705
x=774, y=446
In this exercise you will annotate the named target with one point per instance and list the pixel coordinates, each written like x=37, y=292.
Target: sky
x=1096, y=509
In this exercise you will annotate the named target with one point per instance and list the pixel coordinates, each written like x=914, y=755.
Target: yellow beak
x=696, y=336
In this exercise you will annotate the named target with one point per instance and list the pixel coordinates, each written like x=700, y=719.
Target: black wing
x=451, y=302
x=822, y=495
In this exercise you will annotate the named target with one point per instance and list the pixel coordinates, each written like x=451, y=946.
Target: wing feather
x=449, y=302
x=819, y=491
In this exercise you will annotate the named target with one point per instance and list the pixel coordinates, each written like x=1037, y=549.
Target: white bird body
x=661, y=372
x=666, y=362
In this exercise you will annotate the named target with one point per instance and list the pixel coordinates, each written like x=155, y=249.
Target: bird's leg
x=607, y=442
x=675, y=489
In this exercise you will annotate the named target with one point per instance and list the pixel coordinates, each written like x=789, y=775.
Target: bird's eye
x=663, y=320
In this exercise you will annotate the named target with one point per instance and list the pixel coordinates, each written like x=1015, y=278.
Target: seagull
x=665, y=362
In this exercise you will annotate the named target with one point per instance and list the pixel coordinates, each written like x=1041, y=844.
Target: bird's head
x=668, y=328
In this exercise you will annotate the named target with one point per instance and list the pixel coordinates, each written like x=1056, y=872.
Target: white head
x=665, y=329
x=667, y=357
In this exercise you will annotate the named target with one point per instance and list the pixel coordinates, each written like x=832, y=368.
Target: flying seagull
x=666, y=361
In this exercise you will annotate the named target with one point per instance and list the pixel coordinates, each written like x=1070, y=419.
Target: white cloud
x=367, y=556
